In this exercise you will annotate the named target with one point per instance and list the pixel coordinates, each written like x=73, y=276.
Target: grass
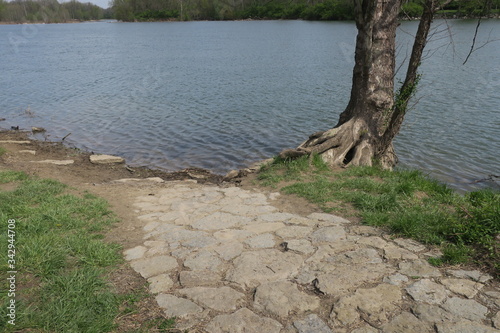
x=62, y=263
x=2, y=151
x=405, y=202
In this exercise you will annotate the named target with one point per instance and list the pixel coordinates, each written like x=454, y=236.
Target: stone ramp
x=226, y=260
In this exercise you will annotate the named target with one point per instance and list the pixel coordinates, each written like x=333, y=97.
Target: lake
x=221, y=95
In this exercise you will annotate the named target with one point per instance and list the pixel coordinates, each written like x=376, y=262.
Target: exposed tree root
x=346, y=145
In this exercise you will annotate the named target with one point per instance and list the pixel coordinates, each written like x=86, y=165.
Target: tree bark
x=374, y=115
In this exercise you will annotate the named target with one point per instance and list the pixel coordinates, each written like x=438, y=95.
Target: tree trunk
x=373, y=116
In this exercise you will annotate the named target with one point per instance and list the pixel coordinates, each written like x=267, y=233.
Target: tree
x=374, y=114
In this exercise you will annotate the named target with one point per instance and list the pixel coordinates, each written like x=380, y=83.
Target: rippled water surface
x=221, y=95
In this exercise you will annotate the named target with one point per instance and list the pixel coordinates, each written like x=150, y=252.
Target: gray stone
x=464, y=326
x=294, y=232
x=31, y=152
x=153, y=266
x=373, y=241
x=410, y=244
x=396, y=279
x=328, y=218
x=177, y=307
x=339, y=280
x=220, y=220
x=245, y=321
x=160, y=284
x=496, y=320
x=300, y=245
x=199, y=278
x=222, y=299
x=261, y=241
x=172, y=234
x=463, y=287
x=427, y=291
x=135, y=253
x=276, y=217
x=311, y=324
x=431, y=313
x=262, y=228
x=253, y=268
x=359, y=256
x=105, y=159
x=203, y=261
x=374, y=304
x=418, y=268
x=407, y=323
x=282, y=298
x=465, y=308
x=233, y=234
x=473, y=275
x=365, y=329
x=229, y=250
x=16, y=142
x=56, y=162
x=393, y=252
x=328, y=235
x=200, y=242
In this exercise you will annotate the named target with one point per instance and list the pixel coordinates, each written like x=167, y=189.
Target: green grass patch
x=61, y=260
x=2, y=151
x=405, y=202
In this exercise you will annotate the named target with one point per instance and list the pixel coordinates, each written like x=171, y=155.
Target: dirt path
x=223, y=258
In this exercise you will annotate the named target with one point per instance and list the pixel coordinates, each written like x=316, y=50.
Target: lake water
x=221, y=95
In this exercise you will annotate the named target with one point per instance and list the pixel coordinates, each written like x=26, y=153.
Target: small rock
x=243, y=320
x=106, y=159
x=311, y=324
x=366, y=329
x=15, y=142
x=153, y=266
x=410, y=244
x=463, y=287
x=374, y=303
x=56, y=162
x=407, y=323
x=198, y=278
x=427, y=291
x=31, y=152
x=37, y=129
x=396, y=279
x=135, y=253
x=255, y=267
x=432, y=313
x=496, y=320
x=328, y=235
x=232, y=174
x=261, y=241
x=464, y=326
x=282, y=298
x=465, y=308
x=177, y=307
x=160, y=284
x=300, y=245
x=229, y=250
x=418, y=268
x=473, y=275
x=222, y=299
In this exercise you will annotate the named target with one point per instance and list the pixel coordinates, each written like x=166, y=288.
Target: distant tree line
x=154, y=10
x=50, y=11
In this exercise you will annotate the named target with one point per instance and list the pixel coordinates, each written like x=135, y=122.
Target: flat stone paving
x=226, y=260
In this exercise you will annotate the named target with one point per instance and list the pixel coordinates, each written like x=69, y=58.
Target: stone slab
x=106, y=159
x=243, y=320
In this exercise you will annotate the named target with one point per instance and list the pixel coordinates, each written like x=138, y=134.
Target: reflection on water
x=221, y=95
